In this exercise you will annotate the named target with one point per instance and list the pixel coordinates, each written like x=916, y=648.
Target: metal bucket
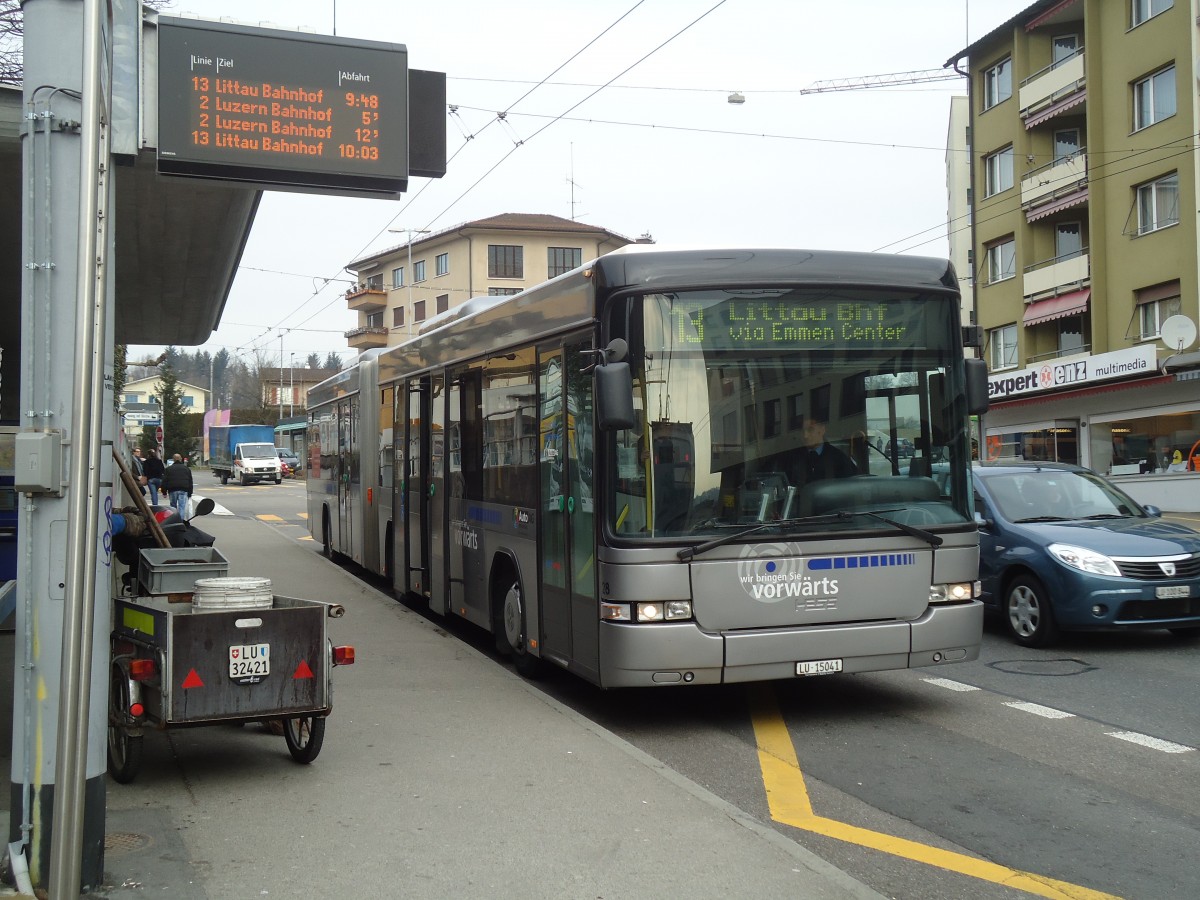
x=232, y=593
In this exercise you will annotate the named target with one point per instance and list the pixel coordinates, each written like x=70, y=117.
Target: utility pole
x=408, y=316
x=291, y=384
x=281, y=375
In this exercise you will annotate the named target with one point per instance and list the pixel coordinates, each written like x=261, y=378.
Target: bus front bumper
x=682, y=653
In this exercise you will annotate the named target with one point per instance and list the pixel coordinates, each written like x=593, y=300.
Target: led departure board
x=280, y=108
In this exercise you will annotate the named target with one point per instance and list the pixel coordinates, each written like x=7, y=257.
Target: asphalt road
x=1078, y=765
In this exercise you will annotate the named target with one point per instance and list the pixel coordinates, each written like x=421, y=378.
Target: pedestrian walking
x=177, y=482
x=153, y=468
x=138, y=468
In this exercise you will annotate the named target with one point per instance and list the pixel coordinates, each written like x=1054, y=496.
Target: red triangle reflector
x=192, y=680
x=303, y=671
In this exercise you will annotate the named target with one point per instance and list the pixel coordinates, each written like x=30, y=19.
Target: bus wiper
x=686, y=553
x=919, y=533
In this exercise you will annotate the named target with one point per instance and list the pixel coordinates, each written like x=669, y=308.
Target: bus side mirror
x=614, y=397
x=977, y=386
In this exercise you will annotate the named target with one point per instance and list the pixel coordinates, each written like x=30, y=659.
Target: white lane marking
x=1037, y=709
x=950, y=685
x=1146, y=741
x=218, y=509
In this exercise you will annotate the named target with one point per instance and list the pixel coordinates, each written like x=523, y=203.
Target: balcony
x=368, y=338
x=1055, y=186
x=1057, y=276
x=1053, y=90
x=366, y=298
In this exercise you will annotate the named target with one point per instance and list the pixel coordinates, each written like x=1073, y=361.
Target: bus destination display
x=268, y=107
x=794, y=321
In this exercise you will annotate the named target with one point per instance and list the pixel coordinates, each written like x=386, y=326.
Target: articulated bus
x=606, y=471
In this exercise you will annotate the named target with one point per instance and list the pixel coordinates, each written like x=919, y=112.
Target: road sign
x=158, y=435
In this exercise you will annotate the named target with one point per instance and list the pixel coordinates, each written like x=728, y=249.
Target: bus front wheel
x=512, y=627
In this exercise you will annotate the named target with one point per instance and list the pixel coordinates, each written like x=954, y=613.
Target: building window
x=132, y=398
x=375, y=282
x=1154, y=98
x=1002, y=347
x=443, y=302
x=418, y=271
x=1157, y=441
x=1148, y=9
x=1154, y=306
x=563, y=259
x=375, y=319
x=998, y=171
x=502, y=292
x=398, y=316
x=997, y=83
x=505, y=261
x=772, y=418
x=1062, y=48
x=442, y=263
x=419, y=311
x=1002, y=261
x=1158, y=204
x=1068, y=241
x=398, y=277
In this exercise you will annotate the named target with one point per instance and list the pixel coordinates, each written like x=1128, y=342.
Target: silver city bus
x=611, y=471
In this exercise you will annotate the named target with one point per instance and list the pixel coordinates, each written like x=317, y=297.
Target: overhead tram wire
x=467, y=140
x=563, y=115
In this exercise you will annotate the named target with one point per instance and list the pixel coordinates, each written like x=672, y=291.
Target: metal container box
x=199, y=679
x=174, y=570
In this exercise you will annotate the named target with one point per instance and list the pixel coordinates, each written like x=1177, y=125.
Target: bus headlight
x=667, y=611
x=956, y=592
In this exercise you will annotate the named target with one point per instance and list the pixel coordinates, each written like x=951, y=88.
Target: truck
x=245, y=453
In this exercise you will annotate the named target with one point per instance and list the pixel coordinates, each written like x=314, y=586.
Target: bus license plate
x=819, y=667
x=1174, y=590
x=249, y=663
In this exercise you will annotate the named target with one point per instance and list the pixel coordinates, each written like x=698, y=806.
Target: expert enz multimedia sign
x=279, y=108
x=1074, y=372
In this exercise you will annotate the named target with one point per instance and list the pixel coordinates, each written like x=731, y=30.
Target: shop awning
x=1057, y=307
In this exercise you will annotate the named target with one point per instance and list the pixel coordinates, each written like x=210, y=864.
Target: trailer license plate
x=1174, y=590
x=819, y=667
x=249, y=663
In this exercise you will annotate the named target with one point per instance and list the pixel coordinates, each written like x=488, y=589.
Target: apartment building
x=1083, y=136
x=402, y=287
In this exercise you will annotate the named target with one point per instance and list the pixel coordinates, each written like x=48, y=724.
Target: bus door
x=347, y=481
x=415, y=559
x=569, y=615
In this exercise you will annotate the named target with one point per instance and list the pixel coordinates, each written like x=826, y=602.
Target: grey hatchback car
x=1063, y=549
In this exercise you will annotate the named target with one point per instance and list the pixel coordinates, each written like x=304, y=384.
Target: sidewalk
x=442, y=775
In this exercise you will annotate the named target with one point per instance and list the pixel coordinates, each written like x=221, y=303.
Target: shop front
x=1116, y=413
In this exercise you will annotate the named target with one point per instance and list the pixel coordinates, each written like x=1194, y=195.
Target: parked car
x=289, y=457
x=1063, y=549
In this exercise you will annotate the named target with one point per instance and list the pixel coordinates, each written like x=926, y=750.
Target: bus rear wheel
x=512, y=626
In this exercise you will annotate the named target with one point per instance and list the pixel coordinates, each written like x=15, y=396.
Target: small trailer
x=244, y=656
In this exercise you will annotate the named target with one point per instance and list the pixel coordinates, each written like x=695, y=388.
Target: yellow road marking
x=787, y=798
x=267, y=517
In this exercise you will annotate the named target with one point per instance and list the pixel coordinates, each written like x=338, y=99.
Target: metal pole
x=79, y=610
x=408, y=318
x=281, y=374
x=291, y=384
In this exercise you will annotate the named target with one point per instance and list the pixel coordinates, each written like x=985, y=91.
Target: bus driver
x=818, y=458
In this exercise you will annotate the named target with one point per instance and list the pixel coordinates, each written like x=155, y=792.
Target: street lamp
x=281, y=374
x=291, y=384
x=408, y=316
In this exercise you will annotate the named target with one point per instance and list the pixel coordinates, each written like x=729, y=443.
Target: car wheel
x=1027, y=613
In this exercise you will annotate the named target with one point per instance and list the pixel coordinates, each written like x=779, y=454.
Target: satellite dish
x=1178, y=333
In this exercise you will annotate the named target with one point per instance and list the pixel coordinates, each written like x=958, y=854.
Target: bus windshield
x=786, y=404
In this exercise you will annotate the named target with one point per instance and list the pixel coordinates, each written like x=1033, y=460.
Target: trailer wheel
x=304, y=737
x=124, y=749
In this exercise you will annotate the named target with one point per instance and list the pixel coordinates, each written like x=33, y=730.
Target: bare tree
x=12, y=32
